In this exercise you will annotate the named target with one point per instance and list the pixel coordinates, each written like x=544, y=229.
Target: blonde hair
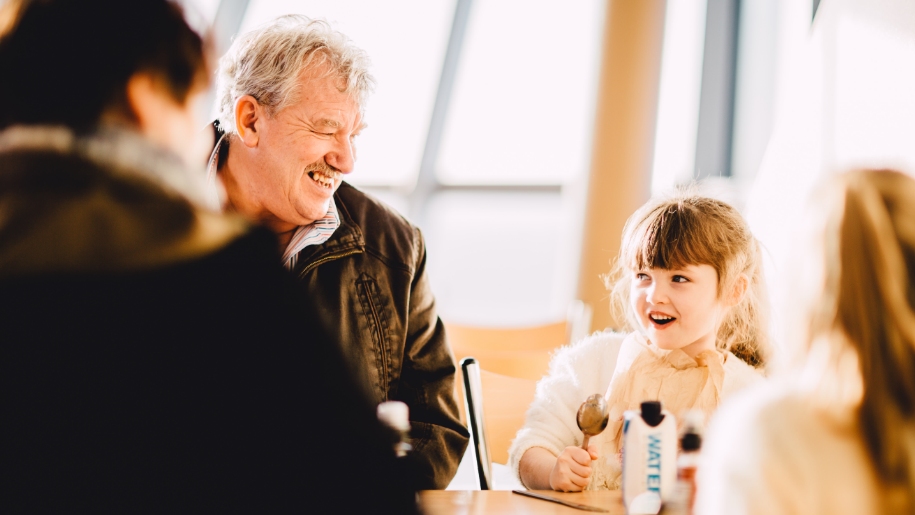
x=687, y=229
x=867, y=306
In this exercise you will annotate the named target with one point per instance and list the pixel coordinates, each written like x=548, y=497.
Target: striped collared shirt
x=314, y=233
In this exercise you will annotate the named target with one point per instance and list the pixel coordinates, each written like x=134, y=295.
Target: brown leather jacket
x=369, y=283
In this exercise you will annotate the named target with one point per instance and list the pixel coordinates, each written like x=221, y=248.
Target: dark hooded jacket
x=149, y=364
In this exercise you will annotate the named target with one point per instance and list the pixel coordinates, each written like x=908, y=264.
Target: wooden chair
x=495, y=406
x=519, y=351
x=522, y=352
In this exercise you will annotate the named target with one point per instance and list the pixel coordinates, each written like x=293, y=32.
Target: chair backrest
x=519, y=351
x=523, y=352
x=495, y=406
x=539, y=336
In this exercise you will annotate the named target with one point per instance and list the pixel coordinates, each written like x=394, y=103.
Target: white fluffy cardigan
x=587, y=367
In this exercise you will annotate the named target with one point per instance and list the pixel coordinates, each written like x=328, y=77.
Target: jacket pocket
x=373, y=310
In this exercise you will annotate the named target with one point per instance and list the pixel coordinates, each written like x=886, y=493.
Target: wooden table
x=472, y=502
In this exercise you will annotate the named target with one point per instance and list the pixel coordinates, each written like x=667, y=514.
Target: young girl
x=688, y=279
x=836, y=435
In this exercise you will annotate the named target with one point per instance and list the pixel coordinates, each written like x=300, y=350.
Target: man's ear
x=248, y=112
x=739, y=290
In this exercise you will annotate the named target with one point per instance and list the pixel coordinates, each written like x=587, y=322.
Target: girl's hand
x=572, y=471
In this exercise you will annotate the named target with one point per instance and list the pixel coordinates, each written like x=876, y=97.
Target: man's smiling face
x=303, y=151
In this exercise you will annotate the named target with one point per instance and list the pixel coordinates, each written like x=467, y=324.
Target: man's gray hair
x=267, y=62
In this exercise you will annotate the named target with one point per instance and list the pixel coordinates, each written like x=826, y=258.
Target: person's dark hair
x=66, y=62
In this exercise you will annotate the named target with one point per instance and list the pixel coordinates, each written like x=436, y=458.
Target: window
x=523, y=94
x=406, y=41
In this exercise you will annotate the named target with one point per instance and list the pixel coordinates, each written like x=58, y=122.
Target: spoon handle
x=584, y=443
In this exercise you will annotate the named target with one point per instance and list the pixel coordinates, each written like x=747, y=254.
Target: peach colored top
x=773, y=451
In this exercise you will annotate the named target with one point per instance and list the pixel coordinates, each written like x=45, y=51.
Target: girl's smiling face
x=678, y=309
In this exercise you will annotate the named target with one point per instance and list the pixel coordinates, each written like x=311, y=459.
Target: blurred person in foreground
x=147, y=361
x=838, y=435
x=291, y=97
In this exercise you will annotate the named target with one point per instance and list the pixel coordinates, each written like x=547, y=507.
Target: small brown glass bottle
x=684, y=494
x=686, y=467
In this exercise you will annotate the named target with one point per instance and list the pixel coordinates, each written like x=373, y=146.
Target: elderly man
x=291, y=97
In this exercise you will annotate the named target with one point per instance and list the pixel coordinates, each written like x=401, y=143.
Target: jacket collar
x=347, y=239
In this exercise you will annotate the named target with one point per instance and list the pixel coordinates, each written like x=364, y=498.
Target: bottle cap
x=651, y=413
x=691, y=442
x=693, y=421
x=395, y=414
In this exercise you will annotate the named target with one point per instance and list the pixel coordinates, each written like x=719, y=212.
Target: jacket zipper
x=325, y=259
x=384, y=355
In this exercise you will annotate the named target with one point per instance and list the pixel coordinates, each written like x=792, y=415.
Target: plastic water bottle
x=649, y=457
x=396, y=415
